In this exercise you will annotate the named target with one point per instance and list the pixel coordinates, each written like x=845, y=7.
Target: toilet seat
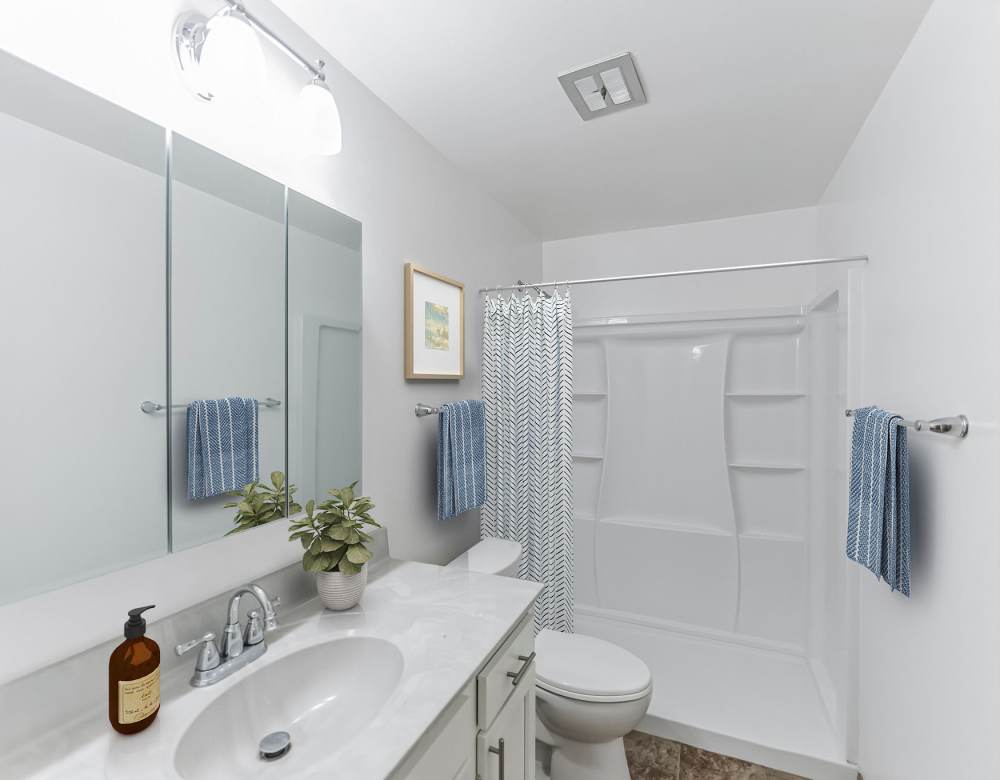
x=584, y=668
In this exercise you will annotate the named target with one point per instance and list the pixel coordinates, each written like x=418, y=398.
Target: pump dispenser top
x=136, y=625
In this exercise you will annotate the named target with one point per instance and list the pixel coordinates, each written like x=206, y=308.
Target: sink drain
x=275, y=745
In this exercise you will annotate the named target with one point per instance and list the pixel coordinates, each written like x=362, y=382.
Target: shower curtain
x=528, y=389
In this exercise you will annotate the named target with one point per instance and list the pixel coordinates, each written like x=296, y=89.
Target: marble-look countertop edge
x=473, y=613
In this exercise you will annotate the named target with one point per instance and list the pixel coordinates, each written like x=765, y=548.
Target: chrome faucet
x=239, y=647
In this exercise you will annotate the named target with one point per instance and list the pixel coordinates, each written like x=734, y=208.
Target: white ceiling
x=752, y=103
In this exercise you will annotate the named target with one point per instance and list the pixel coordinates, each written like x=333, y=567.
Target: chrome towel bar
x=149, y=407
x=949, y=426
x=422, y=410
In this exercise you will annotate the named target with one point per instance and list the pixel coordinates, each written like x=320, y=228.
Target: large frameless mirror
x=227, y=325
x=82, y=312
x=324, y=356
x=182, y=340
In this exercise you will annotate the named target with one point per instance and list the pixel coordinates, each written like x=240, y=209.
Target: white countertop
x=446, y=622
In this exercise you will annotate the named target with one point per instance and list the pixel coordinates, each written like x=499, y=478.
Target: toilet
x=491, y=556
x=589, y=693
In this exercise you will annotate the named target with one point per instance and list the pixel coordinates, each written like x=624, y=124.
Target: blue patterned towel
x=878, y=518
x=222, y=446
x=461, y=457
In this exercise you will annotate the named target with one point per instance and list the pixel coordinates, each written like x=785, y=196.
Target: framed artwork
x=434, y=325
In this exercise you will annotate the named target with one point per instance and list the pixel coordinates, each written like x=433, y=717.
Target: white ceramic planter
x=341, y=591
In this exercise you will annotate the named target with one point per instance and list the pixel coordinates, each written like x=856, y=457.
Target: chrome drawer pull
x=499, y=754
x=517, y=676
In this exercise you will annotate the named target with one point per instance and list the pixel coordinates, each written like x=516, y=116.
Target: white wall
x=919, y=192
x=414, y=205
x=758, y=238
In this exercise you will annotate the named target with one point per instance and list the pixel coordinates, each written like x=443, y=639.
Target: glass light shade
x=319, y=119
x=231, y=64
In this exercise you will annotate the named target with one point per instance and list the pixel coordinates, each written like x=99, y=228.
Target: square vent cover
x=604, y=87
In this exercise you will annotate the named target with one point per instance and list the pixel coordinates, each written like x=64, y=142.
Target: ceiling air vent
x=604, y=87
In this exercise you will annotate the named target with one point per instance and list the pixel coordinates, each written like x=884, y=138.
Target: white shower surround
x=708, y=454
x=692, y=474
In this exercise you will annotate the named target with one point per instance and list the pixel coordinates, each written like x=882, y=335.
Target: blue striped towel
x=461, y=457
x=878, y=518
x=222, y=446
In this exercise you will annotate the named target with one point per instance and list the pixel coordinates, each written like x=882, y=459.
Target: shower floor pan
x=759, y=705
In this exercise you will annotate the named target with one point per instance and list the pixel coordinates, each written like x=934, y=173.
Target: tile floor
x=653, y=758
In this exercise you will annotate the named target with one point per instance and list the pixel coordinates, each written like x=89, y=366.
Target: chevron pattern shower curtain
x=528, y=390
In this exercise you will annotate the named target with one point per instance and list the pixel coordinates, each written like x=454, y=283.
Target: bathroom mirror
x=324, y=348
x=227, y=324
x=142, y=272
x=83, y=316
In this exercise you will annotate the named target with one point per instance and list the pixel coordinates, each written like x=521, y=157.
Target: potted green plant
x=258, y=503
x=334, y=541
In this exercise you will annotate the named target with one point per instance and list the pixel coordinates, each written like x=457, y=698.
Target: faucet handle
x=208, y=658
x=271, y=623
x=253, y=634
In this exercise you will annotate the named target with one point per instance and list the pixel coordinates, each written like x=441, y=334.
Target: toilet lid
x=491, y=556
x=580, y=666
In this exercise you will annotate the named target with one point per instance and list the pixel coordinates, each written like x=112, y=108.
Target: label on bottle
x=138, y=699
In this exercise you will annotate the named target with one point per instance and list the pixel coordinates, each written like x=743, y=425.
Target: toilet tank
x=491, y=556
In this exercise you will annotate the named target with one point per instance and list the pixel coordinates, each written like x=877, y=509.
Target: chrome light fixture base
x=190, y=31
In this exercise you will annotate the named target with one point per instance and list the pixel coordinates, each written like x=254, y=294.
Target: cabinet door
x=447, y=751
x=506, y=750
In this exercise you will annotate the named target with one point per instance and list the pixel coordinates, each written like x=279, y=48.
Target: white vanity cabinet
x=506, y=749
x=487, y=732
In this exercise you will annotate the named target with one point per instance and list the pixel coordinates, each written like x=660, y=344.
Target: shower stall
x=710, y=488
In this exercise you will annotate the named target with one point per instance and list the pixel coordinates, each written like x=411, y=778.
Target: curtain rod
x=691, y=272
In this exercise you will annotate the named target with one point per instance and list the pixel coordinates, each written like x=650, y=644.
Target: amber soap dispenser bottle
x=134, y=677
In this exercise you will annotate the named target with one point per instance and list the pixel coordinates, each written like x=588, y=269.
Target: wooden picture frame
x=433, y=325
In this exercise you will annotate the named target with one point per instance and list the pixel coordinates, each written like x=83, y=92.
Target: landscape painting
x=435, y=325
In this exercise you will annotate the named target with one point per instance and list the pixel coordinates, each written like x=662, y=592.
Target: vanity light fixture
x=319, y=118
x=221, y=55
x=231, y=61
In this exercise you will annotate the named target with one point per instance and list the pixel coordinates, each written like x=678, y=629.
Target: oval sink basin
x=322, y=696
